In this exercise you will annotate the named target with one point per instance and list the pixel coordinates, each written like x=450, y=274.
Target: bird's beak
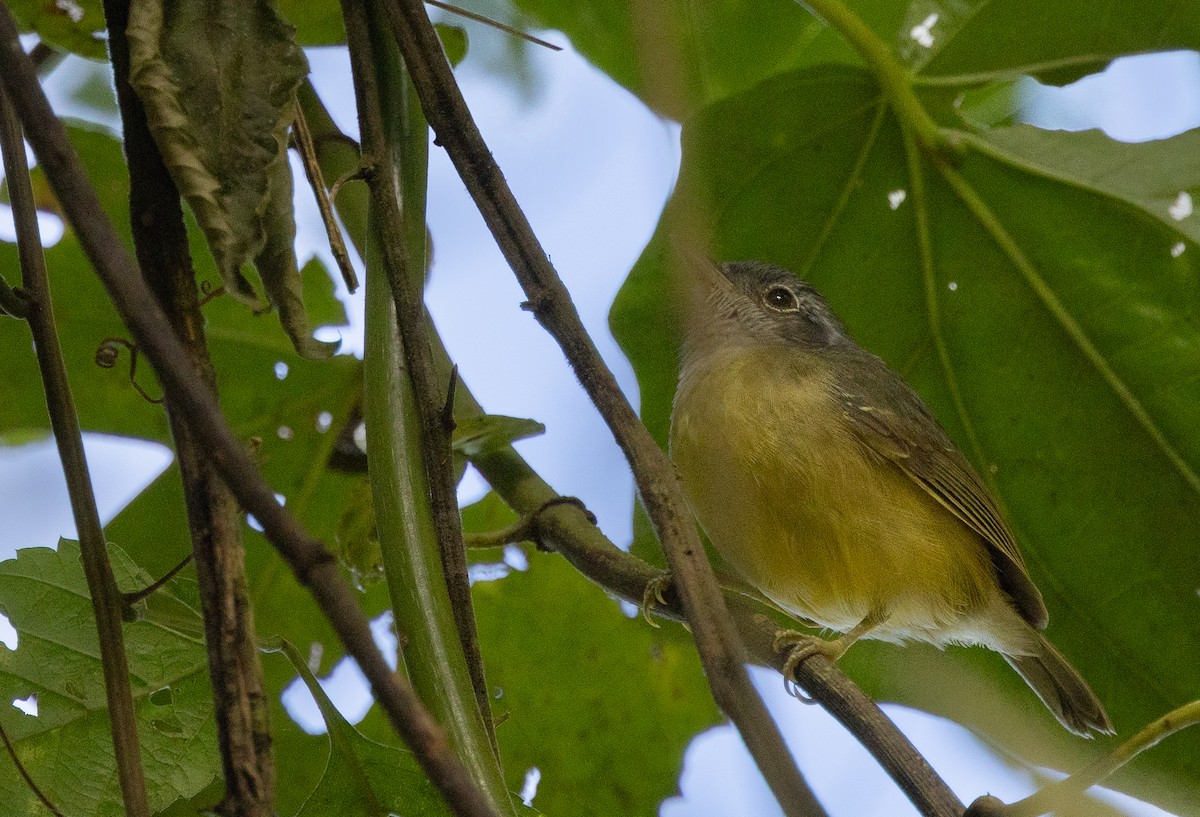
x=704, y=276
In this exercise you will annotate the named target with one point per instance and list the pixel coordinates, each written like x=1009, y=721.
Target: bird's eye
x=781, y=298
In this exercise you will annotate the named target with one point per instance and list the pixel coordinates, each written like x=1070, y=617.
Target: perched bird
x=822, y=478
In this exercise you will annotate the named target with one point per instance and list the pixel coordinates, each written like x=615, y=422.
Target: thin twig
x=107, y=603
x=312, y=170
x=721, y=651
x=314, y=566
x=149, y=590
x=488, y=21
x=21, y=770
x=1052, y=796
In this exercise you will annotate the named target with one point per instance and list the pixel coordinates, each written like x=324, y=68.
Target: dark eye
x=781, y=298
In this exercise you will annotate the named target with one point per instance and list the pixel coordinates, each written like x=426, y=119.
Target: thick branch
x=721, y=651
x=313, y=565
x=160, y=240
x=566, y=529
x=107, y=602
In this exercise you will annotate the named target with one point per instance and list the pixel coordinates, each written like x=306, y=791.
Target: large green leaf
x=679, y=55
x=44, y=594
x=1050, y=323
x=600, y=703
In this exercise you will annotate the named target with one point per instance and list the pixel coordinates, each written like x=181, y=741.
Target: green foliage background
x=1034, y=292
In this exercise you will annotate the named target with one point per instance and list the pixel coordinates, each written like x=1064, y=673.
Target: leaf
x=363, y=777
x=680, y=54
x=478, y=435
x=76, y=25
x=357, y=540
x=1047, y=323
x=218, y=82
x=44, y=594
x=454, y=41
x=701, y=51
x=1057, y=42
x=317, y=22
x=276, y=264
x=616, y=745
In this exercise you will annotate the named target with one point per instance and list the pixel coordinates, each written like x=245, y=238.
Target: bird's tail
x=1061, y=688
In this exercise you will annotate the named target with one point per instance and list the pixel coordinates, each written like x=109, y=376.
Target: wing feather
x=874, y=399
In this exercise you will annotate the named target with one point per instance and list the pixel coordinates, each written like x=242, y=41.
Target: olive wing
x=890, y=418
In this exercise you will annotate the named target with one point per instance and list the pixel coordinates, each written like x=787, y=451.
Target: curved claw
x=801, y=647
x=654, y=592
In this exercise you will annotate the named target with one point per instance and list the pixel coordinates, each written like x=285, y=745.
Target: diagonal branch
x=721, y=651
x=314, y=566
x=566, y=529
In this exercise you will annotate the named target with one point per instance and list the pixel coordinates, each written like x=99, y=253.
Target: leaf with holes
x=44, y=594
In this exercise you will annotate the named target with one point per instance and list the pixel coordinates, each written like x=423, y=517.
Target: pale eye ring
x=782, y=299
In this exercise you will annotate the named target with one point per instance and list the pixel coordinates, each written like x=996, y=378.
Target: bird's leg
x=802, y=646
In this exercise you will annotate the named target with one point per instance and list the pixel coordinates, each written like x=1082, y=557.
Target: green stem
x=1050, y=797
x=431, y=624
x=896, y=81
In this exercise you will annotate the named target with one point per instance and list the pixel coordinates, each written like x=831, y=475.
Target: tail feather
x=1061, y=688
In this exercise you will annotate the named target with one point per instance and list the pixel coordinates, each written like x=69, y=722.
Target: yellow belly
x=807, y=514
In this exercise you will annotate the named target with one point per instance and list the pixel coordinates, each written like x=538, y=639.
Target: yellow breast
x=806, y=513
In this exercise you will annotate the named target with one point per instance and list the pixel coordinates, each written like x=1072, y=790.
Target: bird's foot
x=800, y=647
x=655, y=591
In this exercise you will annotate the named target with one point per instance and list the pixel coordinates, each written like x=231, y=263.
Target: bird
x=820, y=476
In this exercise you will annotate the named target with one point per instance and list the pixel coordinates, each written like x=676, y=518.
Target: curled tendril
x=106, y=358
x=208, y=292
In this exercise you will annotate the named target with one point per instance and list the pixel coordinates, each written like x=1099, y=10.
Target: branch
x=721, y=651
x=567, y=529
x=107, y=602
x=1049, y=798
x=314, y=566
x=160, y=240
